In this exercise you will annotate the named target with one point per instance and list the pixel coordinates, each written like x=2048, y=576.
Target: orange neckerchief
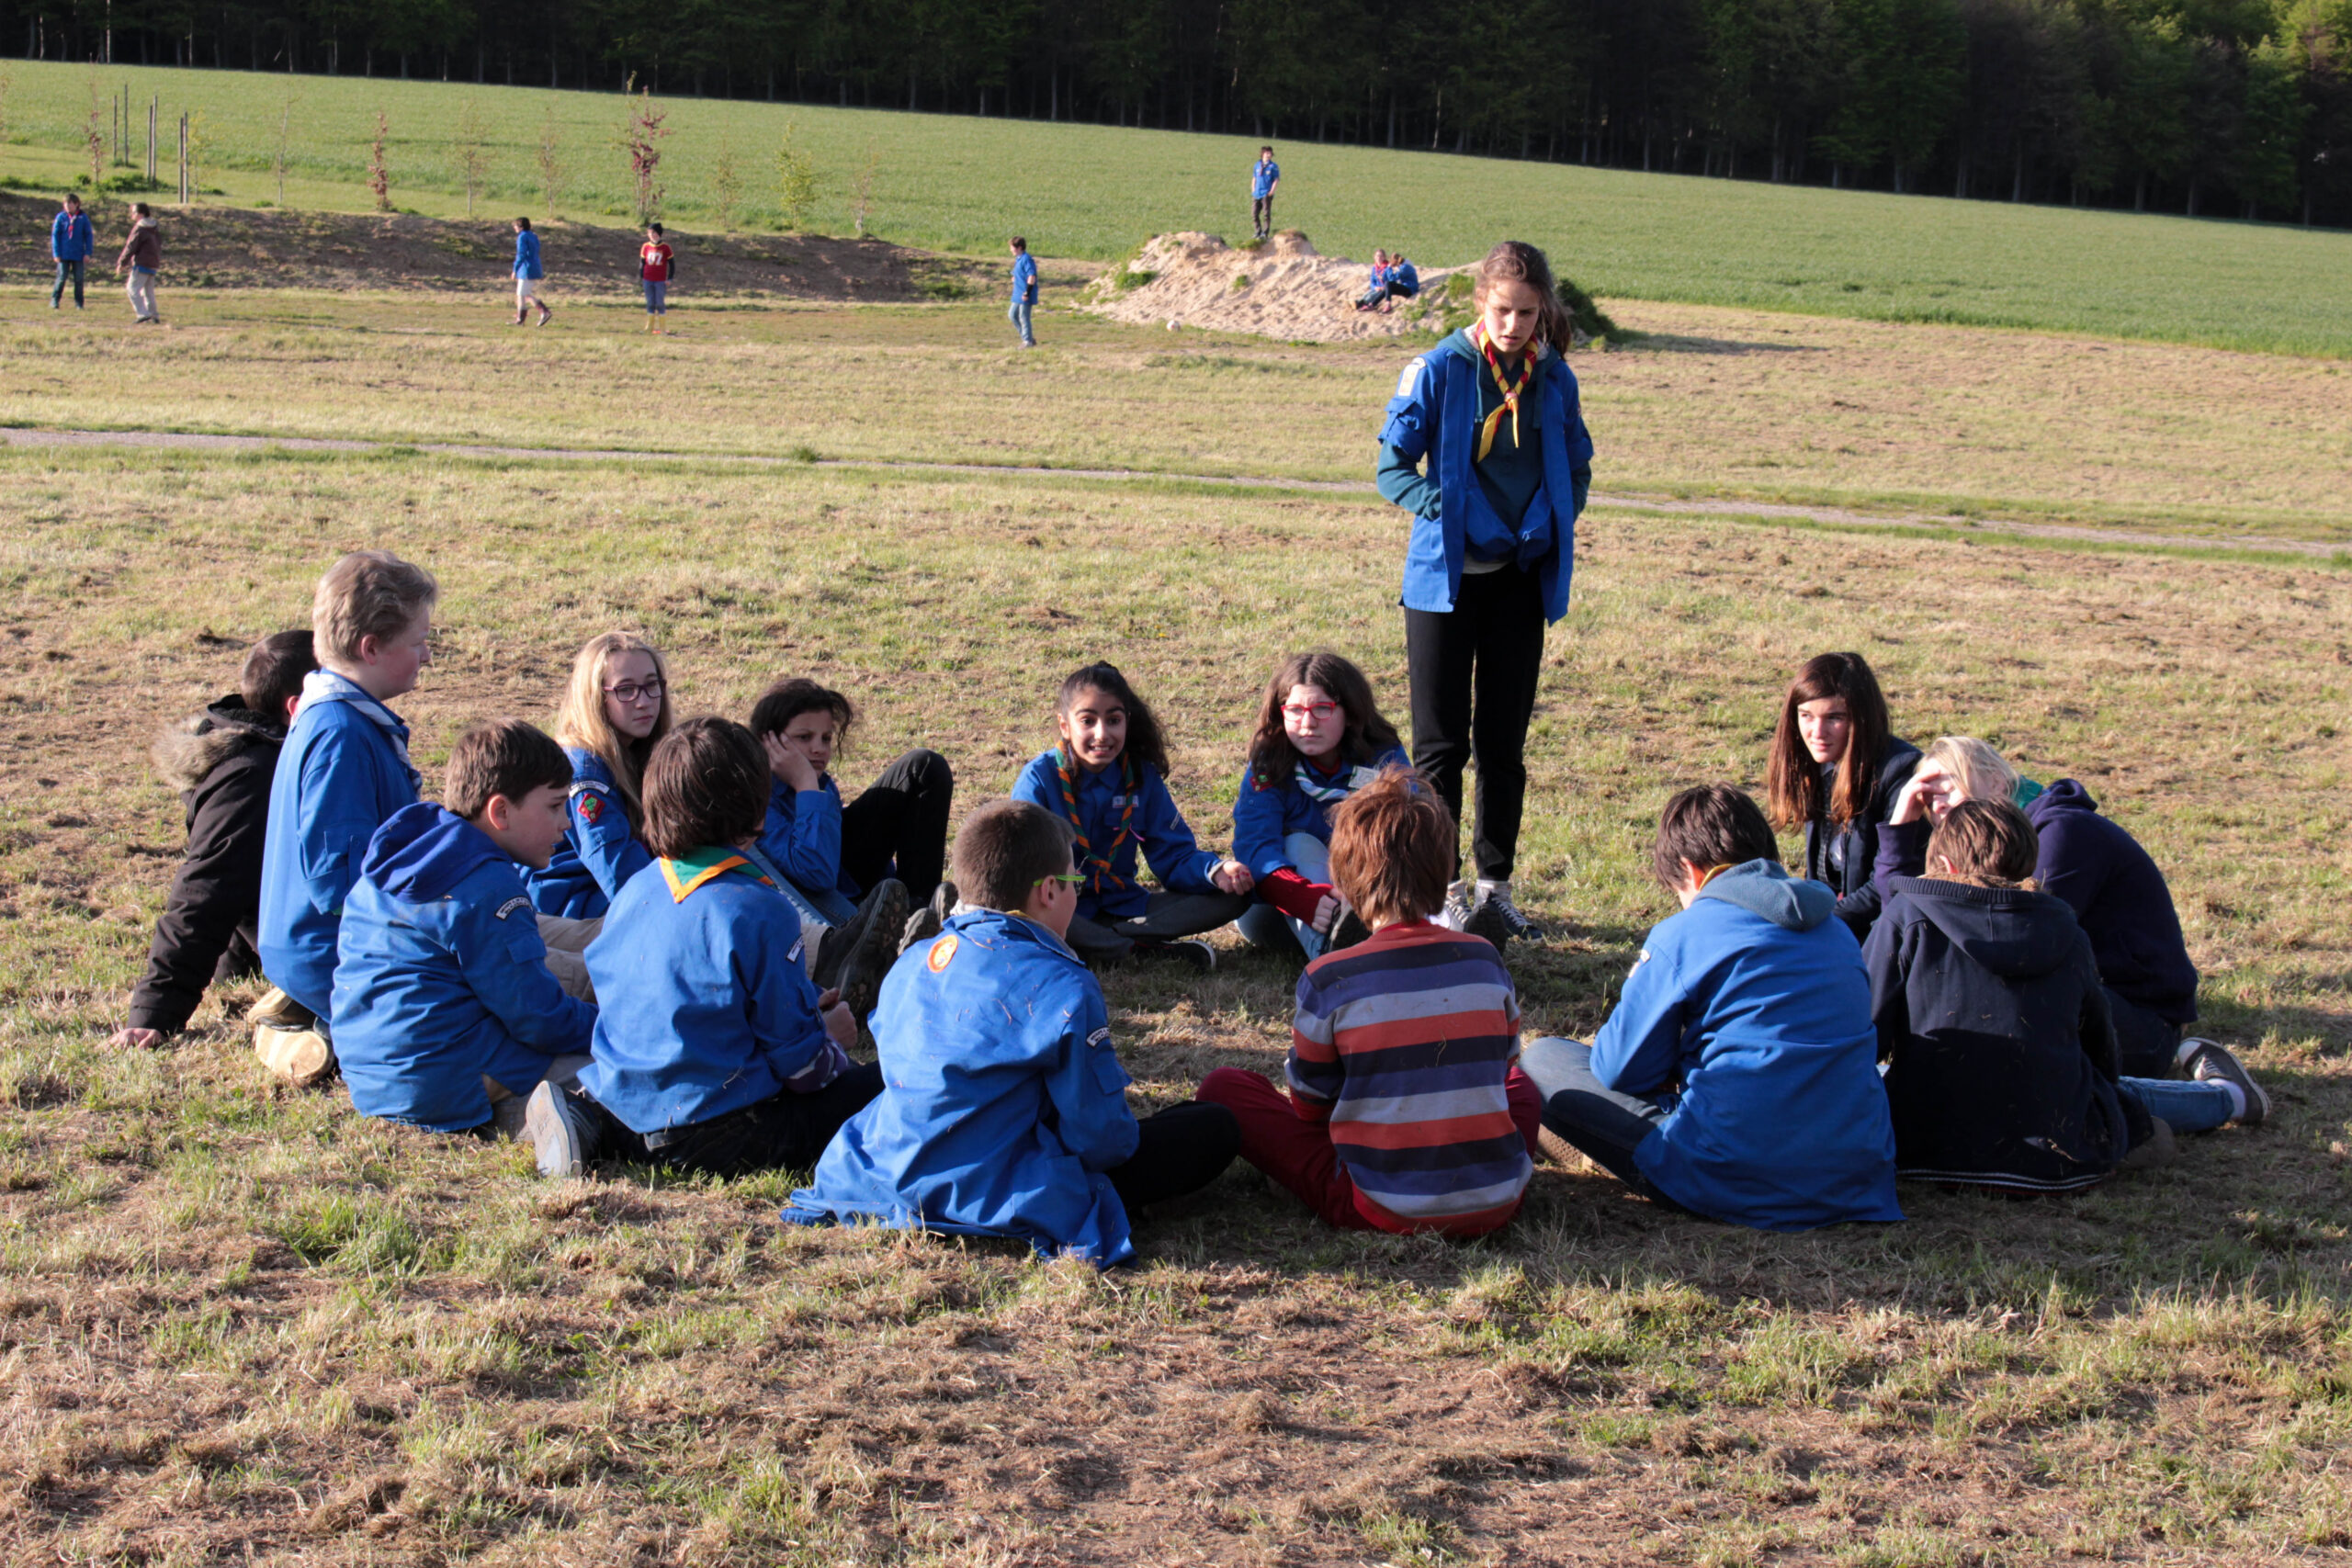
x=1511, y=393
x=1711, y=873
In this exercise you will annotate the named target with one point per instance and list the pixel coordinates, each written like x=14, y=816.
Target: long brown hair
x=1792, y=785
x=1516, y=261
x=1273, y=756
x=581, y=720
x=1147, y=743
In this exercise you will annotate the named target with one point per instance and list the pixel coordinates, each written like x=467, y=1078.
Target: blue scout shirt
x=1003, y=1101
x=1025, y=279
x=803, y=836
x=526, y=256
x=70, y=238
x=1117, y=812
x=1749, y=1016
x=1405, y=276
x=702, y=1006
x=343, y=772
x=443, y=978
x=1262, y=176
x=1263, y=818
x=600, y=850
x=1435, y=413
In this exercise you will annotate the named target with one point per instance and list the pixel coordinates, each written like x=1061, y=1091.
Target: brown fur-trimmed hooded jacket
x=221, y=761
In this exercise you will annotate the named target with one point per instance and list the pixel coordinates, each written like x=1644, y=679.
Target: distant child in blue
x=528, y=273
x=1109, y=780
x=1004, y=1112
x=1493, y=412
x=713, y=1051
x=1737, y=1078
x=1403, y=278
x=615, y=711
x=857, y=867
x=444, y=1003
x=70, y=240
x=1024, y=290
x=1320, y=738
x=1376, y=285
x=343, y=772
x=1265, y=174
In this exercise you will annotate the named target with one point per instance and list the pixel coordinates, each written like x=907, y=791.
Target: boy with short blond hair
x=445, y=1007
x=1407, y=1111
x=1005, y=1110
x=343, y=772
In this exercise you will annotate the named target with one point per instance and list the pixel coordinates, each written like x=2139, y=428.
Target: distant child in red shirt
x=657, y=263
x=1407, y=1108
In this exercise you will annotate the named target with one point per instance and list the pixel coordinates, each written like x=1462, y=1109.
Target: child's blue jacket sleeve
x=1088, y=1087
x=1409, y=433
x=504, y=963
x=803, y=834
x=1175, y=856
x=1261, y=823
x=1639, y=1050
x=608, y=848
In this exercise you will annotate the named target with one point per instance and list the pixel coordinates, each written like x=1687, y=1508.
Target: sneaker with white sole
x=299, y=1057
x=1496, y=895
x=2213, y=1062
x=1455, y=915
x=559, y=1131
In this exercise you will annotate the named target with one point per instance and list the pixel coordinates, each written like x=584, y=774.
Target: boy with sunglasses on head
x=1004, y=1110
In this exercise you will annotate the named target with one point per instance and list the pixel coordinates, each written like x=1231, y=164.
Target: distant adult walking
x=528, y=273
x=1024, y=290
x=70, y=244
x=1494, y=410
x=1265, y=174
x=143, y=257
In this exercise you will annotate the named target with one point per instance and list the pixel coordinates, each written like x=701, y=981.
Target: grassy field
x=961, y=184
x=243, y=1325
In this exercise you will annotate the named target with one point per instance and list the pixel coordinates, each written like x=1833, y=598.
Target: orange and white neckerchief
x=1711, y=873
x=1510, y=394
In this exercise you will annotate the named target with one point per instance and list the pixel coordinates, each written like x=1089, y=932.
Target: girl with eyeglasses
x=614, y=710
x=1320, y=738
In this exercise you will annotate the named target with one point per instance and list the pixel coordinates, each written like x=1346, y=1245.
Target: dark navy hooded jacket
x=2001, y=1056
x=1748, y=1017
x=443, y=977
x=2120, y=898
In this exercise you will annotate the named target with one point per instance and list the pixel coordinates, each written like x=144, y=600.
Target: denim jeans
x=1605, y=1125
x=1263, y=925
x=657, y=296
x=1020, y=317
x=2187, y=1106
x=68, y=266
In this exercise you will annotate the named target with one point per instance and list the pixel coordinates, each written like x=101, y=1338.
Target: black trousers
x=1182, y=1149
x=1475, y=670
x=1261, y=214
x=2145, y=1043
x=901, y=818
x=1166, y=917
x=783, y=1131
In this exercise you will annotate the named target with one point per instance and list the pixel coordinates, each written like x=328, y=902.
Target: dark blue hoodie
x=2120, y=898
x=2001, y=1056
x=442, y=977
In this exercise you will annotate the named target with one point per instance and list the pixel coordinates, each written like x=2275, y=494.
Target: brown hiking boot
x=300, y=1057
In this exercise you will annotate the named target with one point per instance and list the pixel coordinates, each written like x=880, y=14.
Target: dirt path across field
x=1830, y=515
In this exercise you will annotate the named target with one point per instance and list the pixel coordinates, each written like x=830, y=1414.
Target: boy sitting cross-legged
x=1005, y=1110
x=444, y=1009
x=713, y=1051
x=1405, y=1113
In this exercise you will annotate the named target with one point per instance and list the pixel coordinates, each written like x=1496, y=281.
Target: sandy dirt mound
x=1282, y=290
x=229, y=247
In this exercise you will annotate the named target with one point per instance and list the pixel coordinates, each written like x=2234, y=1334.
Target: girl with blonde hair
x=616, y=708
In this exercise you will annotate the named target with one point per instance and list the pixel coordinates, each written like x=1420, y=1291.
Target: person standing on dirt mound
x=1264, y=176
x=1494, y=410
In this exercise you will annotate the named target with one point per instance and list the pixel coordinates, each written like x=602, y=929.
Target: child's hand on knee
x=1233, y=878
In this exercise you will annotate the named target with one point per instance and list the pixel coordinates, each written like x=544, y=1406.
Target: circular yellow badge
x=942, y=952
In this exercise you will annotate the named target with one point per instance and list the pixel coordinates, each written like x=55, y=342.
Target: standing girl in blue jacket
x=616, y=708
x=1109, y=779
x=1485, y=445
x=1320, y=739
x=1836, y=770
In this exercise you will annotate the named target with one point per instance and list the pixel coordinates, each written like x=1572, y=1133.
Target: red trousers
x=1298, y=1153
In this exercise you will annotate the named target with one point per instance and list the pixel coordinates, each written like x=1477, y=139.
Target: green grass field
x=961, y=184
x=243, y=1325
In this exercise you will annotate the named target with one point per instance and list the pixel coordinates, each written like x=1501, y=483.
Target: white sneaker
x=1497, y=895
x=1455, y=915
x=559, y=1132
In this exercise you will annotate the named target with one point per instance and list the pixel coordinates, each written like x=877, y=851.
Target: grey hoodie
x=1763, y=887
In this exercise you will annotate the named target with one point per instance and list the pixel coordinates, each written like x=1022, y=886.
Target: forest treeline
x=2215, y=107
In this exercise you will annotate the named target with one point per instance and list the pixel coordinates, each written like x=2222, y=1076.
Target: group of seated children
x=1393, y=278
x=659, y=940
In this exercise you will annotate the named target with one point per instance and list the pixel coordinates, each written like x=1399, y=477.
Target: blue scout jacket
x=702, y=1006
x=1263, y=818
x=1025, y=279
x=600, y=850
x=526, y=256
x=343, y=773
x=1117, y=811
x=70, y=236
x=1003, y=1101
x=1435, y=413
x=1262, y=176
x=803, y=836
x=1749, y=1016
x=443, y=977
x=1405, y=276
